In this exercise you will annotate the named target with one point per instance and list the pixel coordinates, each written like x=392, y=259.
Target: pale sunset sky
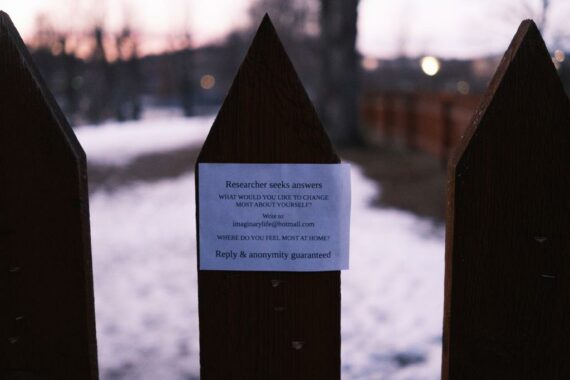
x=447, y=28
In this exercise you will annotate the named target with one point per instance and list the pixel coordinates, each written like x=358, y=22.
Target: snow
x=145, y=280
x=144, y=254
x=118, y=143
x=392, y=296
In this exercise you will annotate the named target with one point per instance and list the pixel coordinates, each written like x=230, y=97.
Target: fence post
x=47, y=322
x=268, y=325
x=410, y=109
x=388, y=120
x=507, y=308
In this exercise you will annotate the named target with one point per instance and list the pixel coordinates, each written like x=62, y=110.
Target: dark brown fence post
x=410, y=109
x=268, y=325
x=507, y=312
x=388, y=120
x=47, y=321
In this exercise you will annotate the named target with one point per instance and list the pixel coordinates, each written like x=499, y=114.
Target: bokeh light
x=430, y=65
x=463, y=87
x=369, y=63
x=207, y=82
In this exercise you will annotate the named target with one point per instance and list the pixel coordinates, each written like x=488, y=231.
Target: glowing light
x=559, y=56
x=369, y=64
x=484, y=68
x=463, y=87
x=207, y=82
x=430, y=65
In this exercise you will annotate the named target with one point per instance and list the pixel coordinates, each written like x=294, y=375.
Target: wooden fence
x=507, y=284
x=430, y=122
x=47, y=321
x=268, y=325
x=507, y=298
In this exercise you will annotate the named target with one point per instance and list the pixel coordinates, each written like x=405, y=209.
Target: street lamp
x=430, y=65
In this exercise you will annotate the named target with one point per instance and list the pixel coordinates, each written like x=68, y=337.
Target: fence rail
x=430, y=122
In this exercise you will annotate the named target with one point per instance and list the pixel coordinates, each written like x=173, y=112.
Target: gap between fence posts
x=268, y=325
x=507, y=283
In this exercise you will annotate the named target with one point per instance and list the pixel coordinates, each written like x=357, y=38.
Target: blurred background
x=395, y=83
x=115, y=60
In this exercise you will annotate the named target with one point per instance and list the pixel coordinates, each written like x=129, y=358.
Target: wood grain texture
x=268, y=325
x=47, y=321
x=507, y=308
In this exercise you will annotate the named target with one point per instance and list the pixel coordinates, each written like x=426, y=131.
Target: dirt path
x=147, y=168
x=411, y=181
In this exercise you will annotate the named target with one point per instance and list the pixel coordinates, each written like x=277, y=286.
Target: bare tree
x=543, y=9
x=550, y=17
x=185, y=75
x=71, y=71
x=538, y=10
x=128, y=78
x=338, y=98
x=297, y=22
x=184, y=66
x=402, y=37
x=294, y=19
x=54, y=44
x=100, y=77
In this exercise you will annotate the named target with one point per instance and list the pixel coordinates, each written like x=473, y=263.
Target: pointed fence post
x=507, y=308
x=268, y=325
x=47, y=321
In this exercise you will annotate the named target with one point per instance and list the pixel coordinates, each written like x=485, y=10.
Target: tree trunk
x=338, y=98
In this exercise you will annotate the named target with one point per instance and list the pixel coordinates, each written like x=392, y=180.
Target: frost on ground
x=144, y=253
x=145, y=281
x=392, y=296
x=118, y=143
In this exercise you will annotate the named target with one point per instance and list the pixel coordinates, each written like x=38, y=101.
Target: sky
x=387, y=28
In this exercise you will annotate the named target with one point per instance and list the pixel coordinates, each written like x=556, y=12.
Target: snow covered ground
x=118, y=143
x=143, y=238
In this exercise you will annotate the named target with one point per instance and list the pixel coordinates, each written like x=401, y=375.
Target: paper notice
x=274, y=217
